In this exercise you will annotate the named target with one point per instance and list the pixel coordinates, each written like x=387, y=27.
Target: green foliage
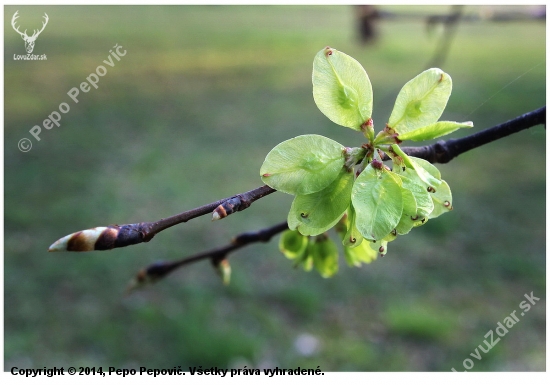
x=341, y=88
x=351, y=187
x=434, y=130
x=363, y=253
x=352, y=237
x=303, y=165
x=406, y=222
x=324, y=253
x=412, y=183
x=443, y=200
x=319, y=251
x=315, y=212
x=292, y=244
x=421, y=101
x=378, y=202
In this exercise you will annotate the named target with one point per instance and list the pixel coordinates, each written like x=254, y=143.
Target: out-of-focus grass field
x=186, y=118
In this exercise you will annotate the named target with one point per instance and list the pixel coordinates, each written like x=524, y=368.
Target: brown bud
x=377, y=164
x=100, y=238
x=226, y=208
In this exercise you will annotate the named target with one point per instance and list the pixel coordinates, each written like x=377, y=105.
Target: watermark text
x=92, y=81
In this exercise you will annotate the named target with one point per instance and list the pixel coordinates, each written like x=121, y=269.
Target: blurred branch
x=450, y=24
x=366, y=22
x=487, y=14
x=113, y=236
x=158, y=270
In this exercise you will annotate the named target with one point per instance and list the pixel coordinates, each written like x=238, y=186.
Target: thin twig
x=238, y=202
x=113, y=236
x=158, y=270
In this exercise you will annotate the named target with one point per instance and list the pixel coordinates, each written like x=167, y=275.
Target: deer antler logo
x=29, y=40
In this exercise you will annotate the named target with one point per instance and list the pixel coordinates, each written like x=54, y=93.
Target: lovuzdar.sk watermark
x=30, y=56
x=29, y=40
x=92, y=80
x=503, y=327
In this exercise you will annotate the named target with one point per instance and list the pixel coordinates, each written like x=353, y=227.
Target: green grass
x=186, y=118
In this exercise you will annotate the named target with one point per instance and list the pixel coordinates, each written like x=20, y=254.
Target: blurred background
x=187, y=116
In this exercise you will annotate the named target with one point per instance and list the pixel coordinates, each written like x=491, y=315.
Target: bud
x=377, y=164
x=82, y=240
x=226, y=208
x=223, y=268
x=100, y=238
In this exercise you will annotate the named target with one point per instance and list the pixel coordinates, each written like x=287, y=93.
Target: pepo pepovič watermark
x=25, y=144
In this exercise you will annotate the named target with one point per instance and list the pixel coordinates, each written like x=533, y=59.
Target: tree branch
x=159, y=270
x=446, y=150
x=440, y=152
x=113, y=236
x=514, y=16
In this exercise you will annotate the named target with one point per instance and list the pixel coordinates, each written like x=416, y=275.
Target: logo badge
x=29, y=40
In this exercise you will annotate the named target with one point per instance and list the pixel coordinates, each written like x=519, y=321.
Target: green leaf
x=421, y=101
x=303, y=165
x=412, y=182
x=426, y=177
x=433, y=131
x=306, y=260
x=406, y=223
x=325, y=256
x=418, y=165
x=442, y=199
x=427, y=166
x=323, y=208
x=432, y=204
x=362, y=253
x=352, y=237
x=377, y=199
x=420, y=222
x=293, y=244
x=341, y=88
x=294, y=223
x=381, y=246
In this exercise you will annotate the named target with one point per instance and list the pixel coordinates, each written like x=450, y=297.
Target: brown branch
x=158, y=270
x=446, y=150
x=113, y=236
x=230, y=205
